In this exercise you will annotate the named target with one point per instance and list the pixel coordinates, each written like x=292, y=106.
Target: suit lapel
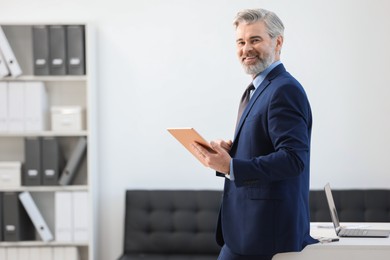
x=266, y=82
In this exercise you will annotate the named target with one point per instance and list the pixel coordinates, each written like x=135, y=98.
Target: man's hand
x=219, y=159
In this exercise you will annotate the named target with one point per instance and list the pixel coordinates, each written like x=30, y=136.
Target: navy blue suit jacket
x=265, y=210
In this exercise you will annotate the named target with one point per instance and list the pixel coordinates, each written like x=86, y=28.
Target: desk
x=346, y=248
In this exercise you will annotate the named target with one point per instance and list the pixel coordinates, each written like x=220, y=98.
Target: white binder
x=80, y=216
x=65, y=253
x=12, y=253
x=46, y=253
x=3, y=66
x=16, y=106
x=9, y=55
x=3, y=253
x=3, y=107
x=23, y=253
x=35, y=216
x=58, y=253
x=72, y=253
x=35, y=108
x=40, y=253
x=34, y=253
x=63, y=216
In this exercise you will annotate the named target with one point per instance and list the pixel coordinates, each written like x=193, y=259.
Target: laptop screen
x=332, y=207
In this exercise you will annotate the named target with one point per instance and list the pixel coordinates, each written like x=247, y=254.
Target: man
x=265, y=207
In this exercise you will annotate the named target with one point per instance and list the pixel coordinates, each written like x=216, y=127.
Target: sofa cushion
x=178, y=222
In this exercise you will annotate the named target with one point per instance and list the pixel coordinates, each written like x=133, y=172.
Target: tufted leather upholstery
x=171, y=224
x=352, y=205
x=180, y=224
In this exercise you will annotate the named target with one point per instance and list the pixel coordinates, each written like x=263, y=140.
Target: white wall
x=172, y=63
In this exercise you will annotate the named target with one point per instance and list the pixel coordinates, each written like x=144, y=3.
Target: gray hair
x=274, y=25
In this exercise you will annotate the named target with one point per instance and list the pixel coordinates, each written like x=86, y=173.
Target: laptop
x=349, y=232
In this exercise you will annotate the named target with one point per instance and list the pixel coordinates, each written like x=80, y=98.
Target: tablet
x=186, y=136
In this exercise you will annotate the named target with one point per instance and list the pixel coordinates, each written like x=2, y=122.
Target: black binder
x=17, y=225
x=57, y=41
x=75, y=49
x=41, y=49
x=52, y=161
x=32, y=166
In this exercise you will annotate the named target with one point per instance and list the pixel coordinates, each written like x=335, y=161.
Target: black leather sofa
x=371, y=205
x=180, y=224
x=171, y=224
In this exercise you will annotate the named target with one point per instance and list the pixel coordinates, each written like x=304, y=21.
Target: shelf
x=47, y=188
x=39, y=243
x=44, y=133
x=45, y=78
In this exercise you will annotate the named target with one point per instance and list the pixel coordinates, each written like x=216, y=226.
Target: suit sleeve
x=288, y=122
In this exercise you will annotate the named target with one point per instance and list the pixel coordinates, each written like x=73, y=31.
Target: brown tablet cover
x=188, y=135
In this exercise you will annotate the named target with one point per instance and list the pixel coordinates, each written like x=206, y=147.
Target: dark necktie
x=244, y=101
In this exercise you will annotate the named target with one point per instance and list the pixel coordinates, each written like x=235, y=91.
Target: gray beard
x=260, y=66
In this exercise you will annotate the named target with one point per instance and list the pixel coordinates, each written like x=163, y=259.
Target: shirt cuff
x=231, y=173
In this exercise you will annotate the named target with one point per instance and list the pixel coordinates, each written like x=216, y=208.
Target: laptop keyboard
x=353, y=232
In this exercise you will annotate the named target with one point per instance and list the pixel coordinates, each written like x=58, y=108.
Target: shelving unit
x=67, y=90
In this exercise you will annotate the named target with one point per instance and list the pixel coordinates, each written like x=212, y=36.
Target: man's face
x=256, y=50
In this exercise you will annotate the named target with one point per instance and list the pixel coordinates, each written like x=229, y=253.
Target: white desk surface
x=345, y=248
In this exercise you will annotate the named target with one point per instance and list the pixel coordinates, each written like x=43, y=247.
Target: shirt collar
x=260, y=77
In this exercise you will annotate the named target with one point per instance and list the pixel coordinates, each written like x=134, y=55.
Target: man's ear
x=279, y=44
